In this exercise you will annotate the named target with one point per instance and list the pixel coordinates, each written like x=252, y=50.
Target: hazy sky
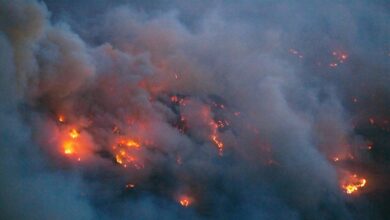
x=152, y=90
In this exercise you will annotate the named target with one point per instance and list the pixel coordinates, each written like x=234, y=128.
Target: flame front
x=73, y=133
x=124, y=154
x=132, y=143
x=69, y=145
x=353, y=183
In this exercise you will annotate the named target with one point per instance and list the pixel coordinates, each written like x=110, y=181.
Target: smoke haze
x=194, y=110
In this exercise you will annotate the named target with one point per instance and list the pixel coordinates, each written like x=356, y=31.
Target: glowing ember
x=132, y=143
x=130, y=185
x=177, y=100
x=124, y=154
x=341, y=57
x=296, y=53
x=73, y=133
x=61, y=118
x=71, y=143
x=174, y=99
x=218, y=143
x=353, y=183
x=68, y=147
x=185, y=201
x=214, y=137
x=222, y=124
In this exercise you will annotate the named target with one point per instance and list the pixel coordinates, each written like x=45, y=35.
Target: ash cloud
x=240, y=108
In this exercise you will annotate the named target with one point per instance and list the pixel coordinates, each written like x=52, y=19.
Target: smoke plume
x=194, y=110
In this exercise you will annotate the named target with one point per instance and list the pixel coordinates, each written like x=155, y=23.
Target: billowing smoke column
x=189, y=110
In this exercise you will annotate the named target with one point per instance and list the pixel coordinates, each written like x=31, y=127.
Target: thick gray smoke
x=194, y=110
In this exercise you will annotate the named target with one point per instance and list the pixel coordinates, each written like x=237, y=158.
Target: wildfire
x=123, y=153
x=353, y=183
x=222, y=124
x=68, y=147
x=61, y=118
x=185, y=201
x=177, y=100
x=340, y=58
x=124, y=159
x=130, y=185
x=132, y=143
x=214, y=137
x=73, y=133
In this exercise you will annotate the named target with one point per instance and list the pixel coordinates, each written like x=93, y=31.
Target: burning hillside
x=184, y=110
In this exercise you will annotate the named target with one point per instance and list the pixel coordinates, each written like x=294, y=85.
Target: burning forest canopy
x=194, y=110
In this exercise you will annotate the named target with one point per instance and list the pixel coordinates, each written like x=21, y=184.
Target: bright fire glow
x=124, y=154
x=353, y=183
x=73, y=133
x=185, y=201
x=68, y=147
x=132, y=143
x=61, y=118
x=296, y=53
x=130, y=185
x=71, y=142
x=214, y=137
x=340, y=56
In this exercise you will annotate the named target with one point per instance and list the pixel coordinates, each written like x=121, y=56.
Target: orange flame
x=68, y=147
x=61, y=118
x=132, y=143
x=214, y=137
x=185, y=201
x=73, y=133
x=123, y=154
x=70, y=143
x=353, y=183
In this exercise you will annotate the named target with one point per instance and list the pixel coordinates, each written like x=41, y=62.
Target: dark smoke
x=285, y=86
